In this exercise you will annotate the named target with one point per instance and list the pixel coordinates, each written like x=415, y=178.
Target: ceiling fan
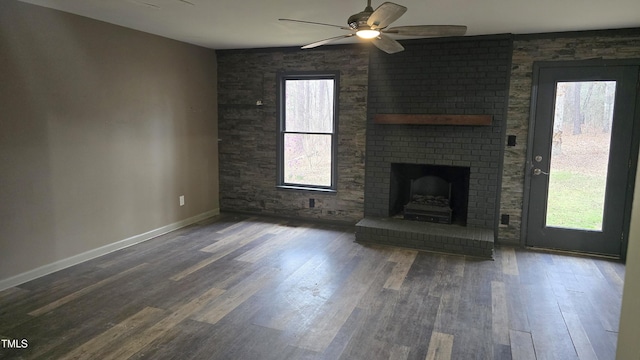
x=372, y=24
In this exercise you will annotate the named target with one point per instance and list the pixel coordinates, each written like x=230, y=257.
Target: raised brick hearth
x=467, y=77
x=427, y=236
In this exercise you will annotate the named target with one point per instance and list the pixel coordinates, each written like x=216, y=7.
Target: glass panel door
x=581, y=157
x=580, y=154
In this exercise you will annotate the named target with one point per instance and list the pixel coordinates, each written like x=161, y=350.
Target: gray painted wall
x=102, y=128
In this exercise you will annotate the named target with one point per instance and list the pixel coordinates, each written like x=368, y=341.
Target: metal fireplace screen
x=430, y=200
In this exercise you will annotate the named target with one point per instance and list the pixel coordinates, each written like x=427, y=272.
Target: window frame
x=281, y=79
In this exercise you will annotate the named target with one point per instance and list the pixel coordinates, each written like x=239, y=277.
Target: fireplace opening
x=433, y=193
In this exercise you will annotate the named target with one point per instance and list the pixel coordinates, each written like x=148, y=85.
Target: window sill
x=306, y=188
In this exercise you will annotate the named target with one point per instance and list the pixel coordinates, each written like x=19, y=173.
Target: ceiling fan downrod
x=368, y=8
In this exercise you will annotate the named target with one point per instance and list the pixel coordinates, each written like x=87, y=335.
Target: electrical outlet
x=181, y=200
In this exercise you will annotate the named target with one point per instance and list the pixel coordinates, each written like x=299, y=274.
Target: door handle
x=537, y=172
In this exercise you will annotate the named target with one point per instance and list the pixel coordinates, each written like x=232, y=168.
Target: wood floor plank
x=618, y=266
x=549, y=332
x=192, y=269
x=334, y=315
x=473, y=322
x=85, y=291
x=159, y=251
x=371, y=348
x=509, y=261
x=240, y=238
x=403, y=259
x=216, y=256
x=448, y=268
x=583, y=266
x=560, y=284
x=235, y=296
x=589, y=323
x=250, y=343
x=379, y=305
x=47, y=289
x=516, y=310
x=449, y=286
x=499, y=313
x=440, y=346
x=344, y=337
x=521, y=345
x=579, y=337
x=501, y=352
x=11, y=293
x=413, y=304
x=598, y=291
x=183, y=341
x=115, y=336
x=270, y=247
x=611, y=274
x=399, y=352
x=135, y=343
x=229, y=332
x=298, y=299
x=235, y=225
x=532, y=266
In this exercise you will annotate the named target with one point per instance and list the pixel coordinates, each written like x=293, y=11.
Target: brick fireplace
x=464, y=77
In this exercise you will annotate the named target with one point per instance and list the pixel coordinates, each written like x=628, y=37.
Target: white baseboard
x=103, y=250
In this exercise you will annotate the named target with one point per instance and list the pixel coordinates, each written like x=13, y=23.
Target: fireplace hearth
x=428, y=236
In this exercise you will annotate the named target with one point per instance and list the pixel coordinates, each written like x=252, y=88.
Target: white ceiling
x=233, y=24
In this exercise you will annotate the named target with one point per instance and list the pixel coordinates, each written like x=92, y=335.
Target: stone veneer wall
x=248, y=132
x=622, y=44
x=440, y=76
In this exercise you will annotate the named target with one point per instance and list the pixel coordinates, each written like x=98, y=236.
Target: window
x=307, y=130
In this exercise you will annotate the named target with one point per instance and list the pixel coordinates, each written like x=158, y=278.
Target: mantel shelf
x=425, y=119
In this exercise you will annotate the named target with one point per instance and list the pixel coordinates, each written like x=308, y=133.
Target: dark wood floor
x=236, y=287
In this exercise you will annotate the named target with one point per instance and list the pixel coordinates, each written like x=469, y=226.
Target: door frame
x=635, y=142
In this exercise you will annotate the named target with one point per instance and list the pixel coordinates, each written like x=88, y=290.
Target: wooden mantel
x=425, y=119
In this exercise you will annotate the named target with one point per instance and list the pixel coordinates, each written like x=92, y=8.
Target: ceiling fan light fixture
x=371, y=24
x=368, y=33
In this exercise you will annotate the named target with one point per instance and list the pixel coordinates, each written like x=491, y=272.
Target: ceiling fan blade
x=428, y=30
x=387, y=44
x=322, y=42
x=316, y=23
x=385, y=14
